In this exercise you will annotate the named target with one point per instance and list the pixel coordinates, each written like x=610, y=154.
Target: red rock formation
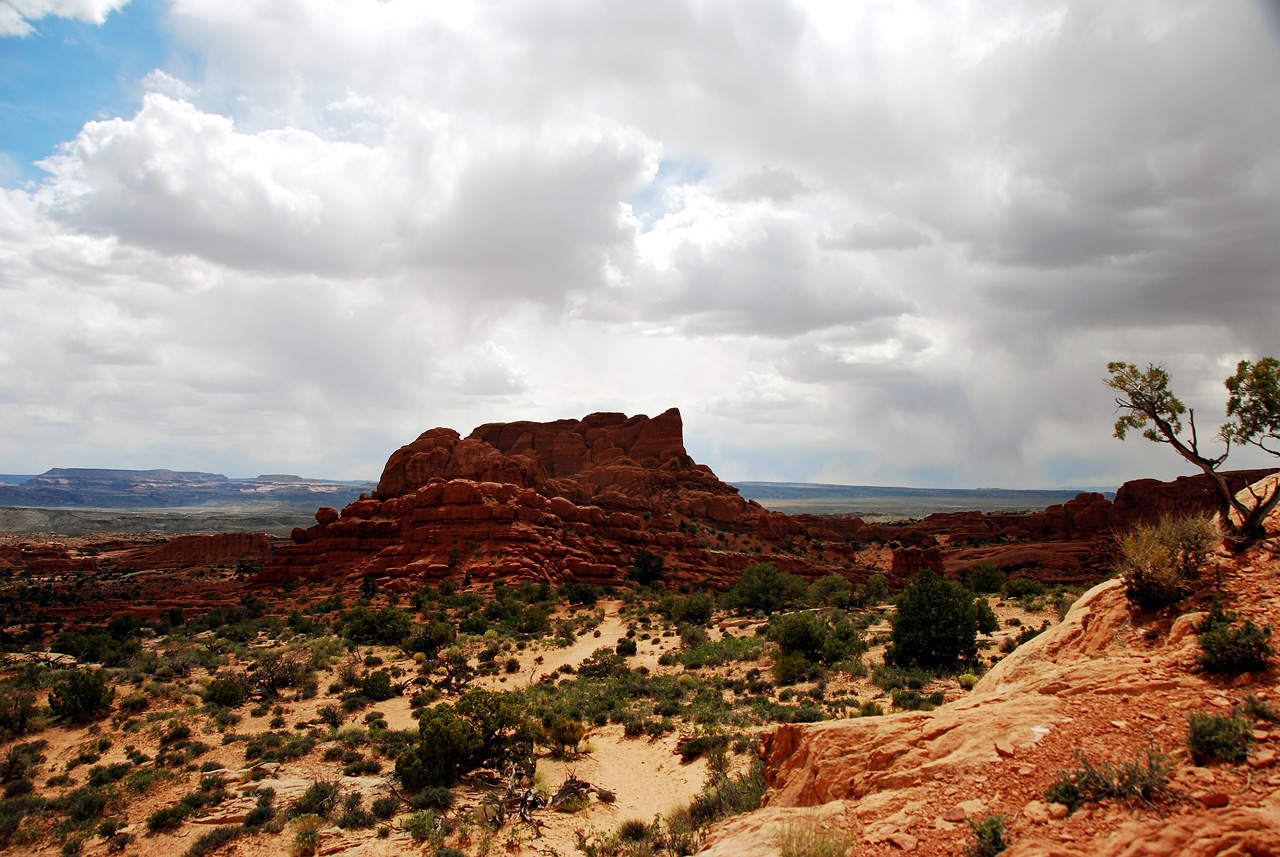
x=565, y=500
x=208, y=550
x=576, y=499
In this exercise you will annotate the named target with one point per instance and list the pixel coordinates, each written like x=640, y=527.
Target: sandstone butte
x=575, y=500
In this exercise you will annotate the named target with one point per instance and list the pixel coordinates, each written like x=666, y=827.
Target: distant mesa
x=69, y=488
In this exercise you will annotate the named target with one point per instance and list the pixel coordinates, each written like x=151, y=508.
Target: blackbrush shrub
x=1218, y=737
x=432, y=797
x=213, y=840
x=320, y=799
x=1161, y=564
x=167, y=818
x=385, y=807
x=1142, y=778
x=1226, y=647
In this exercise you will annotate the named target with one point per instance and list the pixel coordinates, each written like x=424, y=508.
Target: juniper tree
x=1147, y=404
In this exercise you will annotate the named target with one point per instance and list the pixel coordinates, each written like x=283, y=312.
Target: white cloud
x=16, y=15
x=884, y=242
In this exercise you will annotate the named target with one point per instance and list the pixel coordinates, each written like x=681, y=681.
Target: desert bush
x=447, y=743
x=935, y=625
x=377, y=686
x=1021, y=587
x=227, y=692
x=808, y=839
x=16, y=711
x=988, y=623
x=1142, y=778
x=422, y=826
x=306, y=836
x=984, y=576
x=167, y=818
x=1226, y=647
x=625, y=647
x=354, y=815
x=384, y=807
x=833, y=590
x=214, y=839
x=988, y=836
x=432, y=797
x=1161, y=564
x=82, y=696
x=914, y=700
x=320, y=799
x=1218, y=737
x=889, y=677
x=729, y=797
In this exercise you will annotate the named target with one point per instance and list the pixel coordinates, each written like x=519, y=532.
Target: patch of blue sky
x=68, y=72
x=650, y=204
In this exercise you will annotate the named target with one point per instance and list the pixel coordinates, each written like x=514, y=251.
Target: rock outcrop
x=577, y=499
x=557, y=501
x=1107, y=683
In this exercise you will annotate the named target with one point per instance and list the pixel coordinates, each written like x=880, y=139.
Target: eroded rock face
x=564, y=500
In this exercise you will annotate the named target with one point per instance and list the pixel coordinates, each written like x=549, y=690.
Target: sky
x=872, y=243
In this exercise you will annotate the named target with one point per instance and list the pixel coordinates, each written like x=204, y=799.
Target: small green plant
x=988, y=836
x=306, y=835
x=1226, y=647
x=1218, y=737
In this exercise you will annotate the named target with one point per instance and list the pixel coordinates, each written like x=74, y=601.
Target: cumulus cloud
x=16, y=15
x=883, y=243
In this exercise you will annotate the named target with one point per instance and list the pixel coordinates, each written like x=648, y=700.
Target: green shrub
x=646, y=568
x=1021, y=587
x=935, y=625
x=1218, y=737
x=384, y=807
x=984, y=576
x=320, y=799
x=377, y=686
x=213, y=840
x=1161, y=564
x=1229, y=648
x=834, y=590
x=988, y=836
x=803, y=633
x=730, y=797
x=1141, y=778
x=81, y=697
x=227, y=692
x=16, y=710
x=167, y=818
x=625, y=647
